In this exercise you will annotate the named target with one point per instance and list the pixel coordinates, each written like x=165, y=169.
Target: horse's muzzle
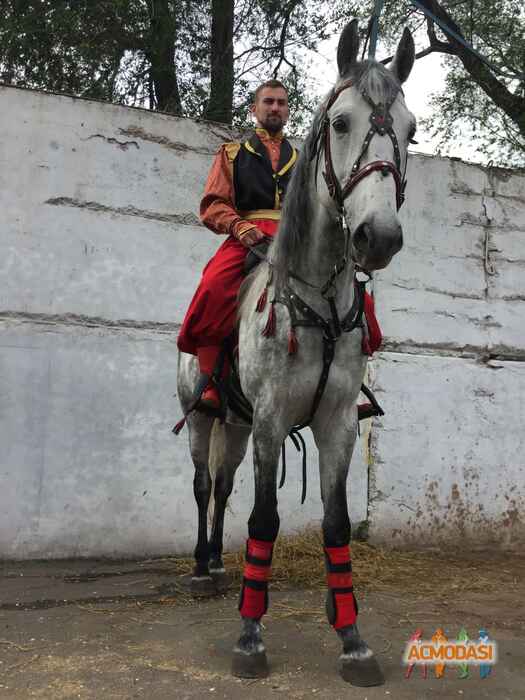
x=375, y=244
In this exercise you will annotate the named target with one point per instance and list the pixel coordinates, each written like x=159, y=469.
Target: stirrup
x=371, y=409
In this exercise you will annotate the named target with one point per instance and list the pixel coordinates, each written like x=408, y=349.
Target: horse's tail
x=217, y=451
x=217, y=455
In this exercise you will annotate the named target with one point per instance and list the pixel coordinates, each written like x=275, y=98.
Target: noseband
x=381, y=123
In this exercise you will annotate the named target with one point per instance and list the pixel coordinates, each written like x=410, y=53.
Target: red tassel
x=261, y=303
x=269, y=328
x=292, y=342
x=179, y=426
x=365, y=346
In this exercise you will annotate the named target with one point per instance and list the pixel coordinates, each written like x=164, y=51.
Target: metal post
x=378, y=6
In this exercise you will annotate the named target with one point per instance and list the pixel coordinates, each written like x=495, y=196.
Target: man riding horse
x=242, y=199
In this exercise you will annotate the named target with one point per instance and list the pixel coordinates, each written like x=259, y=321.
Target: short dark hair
x=268, y=84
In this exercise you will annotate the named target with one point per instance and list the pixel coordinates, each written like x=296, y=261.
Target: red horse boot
x=249, y=655
x=357, y=664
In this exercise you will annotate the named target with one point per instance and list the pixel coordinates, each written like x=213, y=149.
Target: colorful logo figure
x=439, y=638
x=464, y=638
x=416, y=637
x=440, y=651
x=484, y=669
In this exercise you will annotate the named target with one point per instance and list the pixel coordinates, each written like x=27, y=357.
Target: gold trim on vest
x=231, y=150
x=279, y=174
x=248, y=146
x=288, y=165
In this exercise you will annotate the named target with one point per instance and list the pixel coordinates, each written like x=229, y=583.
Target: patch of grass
x=299, y=561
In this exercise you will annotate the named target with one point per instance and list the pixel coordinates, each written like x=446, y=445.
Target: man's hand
x=251, y=237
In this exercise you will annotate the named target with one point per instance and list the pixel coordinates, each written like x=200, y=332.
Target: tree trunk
x=160, y=52
x=221, y=93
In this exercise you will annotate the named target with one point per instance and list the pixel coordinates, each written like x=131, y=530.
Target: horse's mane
x=382, y=86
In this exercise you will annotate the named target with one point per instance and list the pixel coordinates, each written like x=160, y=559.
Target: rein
x=301, y=314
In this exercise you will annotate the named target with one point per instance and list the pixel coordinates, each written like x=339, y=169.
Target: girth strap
x=332, y=330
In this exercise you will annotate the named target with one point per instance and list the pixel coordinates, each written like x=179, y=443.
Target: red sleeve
x=217, y=209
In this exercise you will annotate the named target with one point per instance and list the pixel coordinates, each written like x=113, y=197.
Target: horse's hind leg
x=249, y=655
x=227, y=450
x=199, y=426
x=358, y=664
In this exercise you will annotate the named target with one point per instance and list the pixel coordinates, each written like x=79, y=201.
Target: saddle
x=232, y=397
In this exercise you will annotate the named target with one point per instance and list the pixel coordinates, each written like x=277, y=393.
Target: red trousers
x=212, y=313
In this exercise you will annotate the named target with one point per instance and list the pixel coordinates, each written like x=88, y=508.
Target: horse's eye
x=340, y=125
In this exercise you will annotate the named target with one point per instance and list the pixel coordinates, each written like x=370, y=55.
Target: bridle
x=381, y=123
x=303, y=315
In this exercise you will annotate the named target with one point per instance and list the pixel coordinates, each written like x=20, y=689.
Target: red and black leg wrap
x=341, y=605
x=257, y=569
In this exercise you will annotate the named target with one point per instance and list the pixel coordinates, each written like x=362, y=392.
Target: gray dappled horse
x=340, y=216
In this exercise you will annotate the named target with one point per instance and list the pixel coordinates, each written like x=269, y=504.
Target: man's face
x=271, y=109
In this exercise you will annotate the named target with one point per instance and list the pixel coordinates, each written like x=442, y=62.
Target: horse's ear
x=405, y=56
x=348, y=48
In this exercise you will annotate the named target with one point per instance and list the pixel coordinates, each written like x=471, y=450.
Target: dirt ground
x=122, y=630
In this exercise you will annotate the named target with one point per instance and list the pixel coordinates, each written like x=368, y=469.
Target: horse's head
x=366, y=130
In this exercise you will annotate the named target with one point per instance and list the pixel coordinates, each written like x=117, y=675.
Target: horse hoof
x=253, y=665
x=203, y=587
x=362, y=672
x=221, y=579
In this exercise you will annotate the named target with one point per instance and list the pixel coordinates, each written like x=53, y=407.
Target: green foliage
x=73, y=46
x=464, y=115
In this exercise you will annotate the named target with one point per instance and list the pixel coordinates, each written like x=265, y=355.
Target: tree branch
x=437, y=45
x=282, y=39
x=512, y=105
x=419, y=54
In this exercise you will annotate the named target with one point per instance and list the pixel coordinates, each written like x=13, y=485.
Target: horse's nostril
x=362, y=238
x=385, y=171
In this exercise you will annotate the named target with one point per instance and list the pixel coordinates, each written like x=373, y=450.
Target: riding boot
x=207, y=357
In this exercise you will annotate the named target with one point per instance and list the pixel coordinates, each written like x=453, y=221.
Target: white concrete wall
x=100, y=251
x=448, y=458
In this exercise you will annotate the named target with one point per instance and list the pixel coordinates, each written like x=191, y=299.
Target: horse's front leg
x=249, y=655
x=358, y=665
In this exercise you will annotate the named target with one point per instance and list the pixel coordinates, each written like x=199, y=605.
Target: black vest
x=255, y=183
